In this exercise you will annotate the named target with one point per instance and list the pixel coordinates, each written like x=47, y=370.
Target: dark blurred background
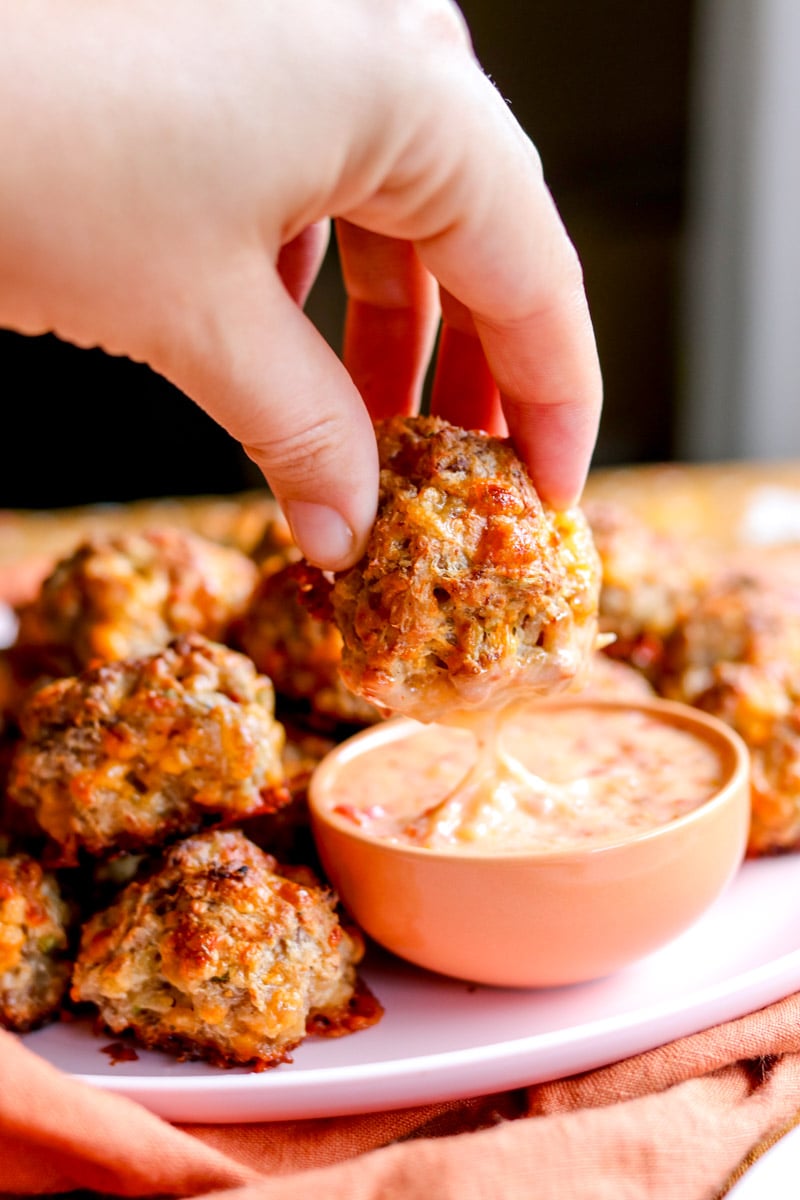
x=603, y=89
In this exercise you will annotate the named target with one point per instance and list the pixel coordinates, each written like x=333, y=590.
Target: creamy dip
x=531, y=778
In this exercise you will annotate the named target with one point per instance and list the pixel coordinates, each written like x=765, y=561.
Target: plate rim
x=396, y=1080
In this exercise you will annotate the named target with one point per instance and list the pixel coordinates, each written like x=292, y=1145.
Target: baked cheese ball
x=471, y=590
x=130, y=594
x=749, y=616
x=300, y=652
x=286, y=832
x=216, y=955
x=276, y=547
x=736, y=655
x=758, y=704
x=650, y=579
x=775, y=788
x=34, y=944
x=136, y=752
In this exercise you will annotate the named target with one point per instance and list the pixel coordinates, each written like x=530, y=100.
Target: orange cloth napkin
x=674, y=1123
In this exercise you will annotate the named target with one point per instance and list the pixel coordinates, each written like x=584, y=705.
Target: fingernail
x=322, y=534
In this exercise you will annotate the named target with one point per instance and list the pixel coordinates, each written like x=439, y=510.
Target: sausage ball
x=736, y=655
x=470, y=588
x=286, y=832
x=300, y=652
x=276, y=547
x=775, y=788
x=750, y=617
x=134, y=752
x=34, y=963
x=130, y=594
x=216, y=955
x=756, y=702
x=649, y=580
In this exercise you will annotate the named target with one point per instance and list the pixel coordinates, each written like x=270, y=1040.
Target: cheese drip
x=496, y=790
x=530, y=776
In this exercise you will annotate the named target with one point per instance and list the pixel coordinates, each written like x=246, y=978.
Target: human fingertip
x=322, y=534
x=560, y=490
x=562, y=501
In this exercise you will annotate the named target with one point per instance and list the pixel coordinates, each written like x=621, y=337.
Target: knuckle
x=429, y=24
x=449, y=22
x=301, y=454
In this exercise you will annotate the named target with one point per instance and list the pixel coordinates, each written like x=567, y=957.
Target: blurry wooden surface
x=237, y=520
x=725, y=503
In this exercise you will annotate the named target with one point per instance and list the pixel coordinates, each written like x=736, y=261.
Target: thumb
x=270, y=379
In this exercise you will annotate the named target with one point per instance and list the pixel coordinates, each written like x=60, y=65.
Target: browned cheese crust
x=286, y=832
x=300, y=652
x=135, y=752
x=34, y=967
x=216, y=955
x=276, y=547
x=749, y=617
x=470, y=589
x=125, y=595
x=649, y=580
x=754, y=700
x=736, y=654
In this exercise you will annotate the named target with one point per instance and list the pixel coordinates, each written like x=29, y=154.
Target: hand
x=169, y=171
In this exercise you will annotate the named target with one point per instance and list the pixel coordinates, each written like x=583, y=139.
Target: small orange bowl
x=534, y=917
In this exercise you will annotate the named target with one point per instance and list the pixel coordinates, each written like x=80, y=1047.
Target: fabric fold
x=674, y=1122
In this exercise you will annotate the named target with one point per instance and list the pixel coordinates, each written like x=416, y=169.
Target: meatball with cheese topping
x=34, y=963
x=743, y=615
x=217, y=955
x=736, y=655
x=131, y=594
x=132, y=753
x=775, y=788
x=470, y=588
x=765, y=712
x=650, y=579
x=276, y=547
x=301, y=653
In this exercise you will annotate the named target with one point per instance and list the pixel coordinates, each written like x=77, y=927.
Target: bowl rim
x=736, y=763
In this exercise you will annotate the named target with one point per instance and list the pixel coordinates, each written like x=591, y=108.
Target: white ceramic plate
x=442, y=1039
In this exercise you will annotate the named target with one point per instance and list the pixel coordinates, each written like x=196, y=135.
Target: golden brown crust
x=754, y=700
x=650, y=579
x=137, y=751
x=218, y=955
x=775, y=789
x=300, y=652
x=130, y=594
x=749, y=616
x=34, y=963
x=678, y=502
x=736, y=654
x=275, y=548
x=469, y=586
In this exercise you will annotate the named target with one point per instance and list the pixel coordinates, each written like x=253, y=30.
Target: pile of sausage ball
x=167, y=697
